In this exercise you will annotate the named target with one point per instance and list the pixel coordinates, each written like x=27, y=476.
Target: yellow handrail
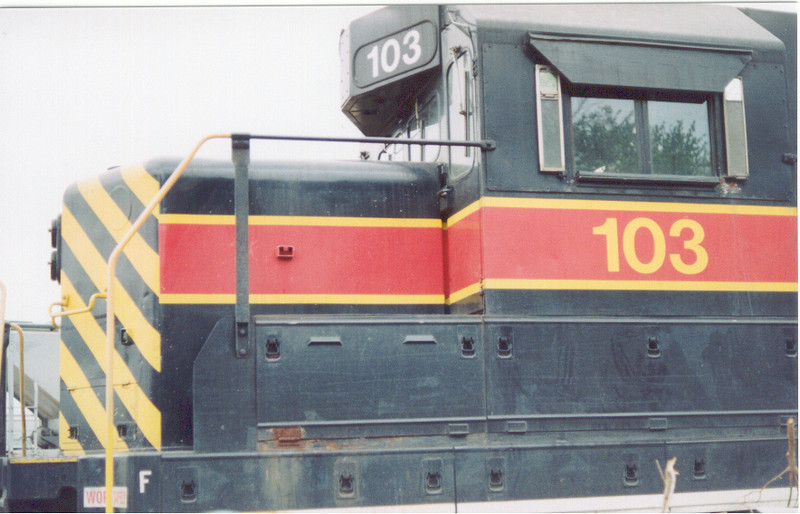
x=2, y=336
x=21, y=361
x=22, y=385
x=2, y=321
x=65, y=301
x=110, y=319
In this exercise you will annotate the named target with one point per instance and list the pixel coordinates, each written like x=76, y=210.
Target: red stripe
x=463, y=251
x=200, y=259
x=493, y=242
x=560, y=244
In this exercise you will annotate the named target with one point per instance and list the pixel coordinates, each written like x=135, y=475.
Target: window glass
x=604, y=135
x=415, y=132
x=551, y=133
x=548, y=82
x=398, y=152
x=735, y=130
x=425, y=124
x=550, y=125
x=431, y=129
x=634, y=134
x=679, y=139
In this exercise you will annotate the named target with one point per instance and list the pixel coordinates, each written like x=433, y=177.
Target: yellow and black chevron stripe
x=96, y=215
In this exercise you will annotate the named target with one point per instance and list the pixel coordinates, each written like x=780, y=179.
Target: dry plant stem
x=791, y=458
x=669, y=476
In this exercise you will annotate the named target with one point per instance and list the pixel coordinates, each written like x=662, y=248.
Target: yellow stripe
x=143, y=258
x=607, y=205
x=68, y=446
x=145, y=337
x=197, y=219
x=463, y=213
x=384, y=299
x=464, y=293
x=144, y=413
x=51, y=460
x=143, y=185
x=628, y=285
x=85, y=398
x=639, y=285
x=191, y=299
x=613, y=205
x=315, y=221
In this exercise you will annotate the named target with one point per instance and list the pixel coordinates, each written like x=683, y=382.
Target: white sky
x=82, y=90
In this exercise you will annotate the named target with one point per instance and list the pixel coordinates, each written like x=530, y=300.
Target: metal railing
x=64, y=302
x=18, y=330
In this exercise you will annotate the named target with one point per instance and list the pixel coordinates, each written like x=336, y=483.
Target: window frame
x=466, y=121
x=719, y=129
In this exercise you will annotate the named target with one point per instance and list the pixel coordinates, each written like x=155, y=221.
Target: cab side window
x=639, y=110
x=624, y=132
x=424, y=123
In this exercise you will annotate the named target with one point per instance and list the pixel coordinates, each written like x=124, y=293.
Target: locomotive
x=570, y=257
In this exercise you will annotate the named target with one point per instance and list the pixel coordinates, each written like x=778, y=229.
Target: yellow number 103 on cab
x=610, y=230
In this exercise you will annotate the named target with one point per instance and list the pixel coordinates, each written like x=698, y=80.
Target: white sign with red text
x=95, y=497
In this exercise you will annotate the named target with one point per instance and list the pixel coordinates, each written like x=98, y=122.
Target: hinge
x=445, y=194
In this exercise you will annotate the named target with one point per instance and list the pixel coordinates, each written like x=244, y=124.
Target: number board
x=393, y=55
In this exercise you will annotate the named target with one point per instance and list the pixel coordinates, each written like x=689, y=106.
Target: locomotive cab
x=588, y=104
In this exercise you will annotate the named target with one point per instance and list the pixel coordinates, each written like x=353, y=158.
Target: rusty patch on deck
x=288, y=436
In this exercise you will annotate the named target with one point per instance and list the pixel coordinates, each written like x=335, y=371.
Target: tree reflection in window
x=679, y=139
x=605, y=136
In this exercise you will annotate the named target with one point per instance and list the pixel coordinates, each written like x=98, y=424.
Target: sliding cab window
x=640, y=135
x=460, y=98
x=621, y=133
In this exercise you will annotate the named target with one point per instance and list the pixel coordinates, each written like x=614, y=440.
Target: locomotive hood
x=336, y=188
